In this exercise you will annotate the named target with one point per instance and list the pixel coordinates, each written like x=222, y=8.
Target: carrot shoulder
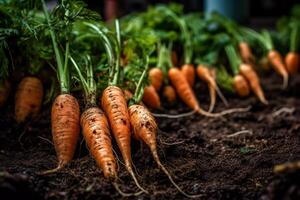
x=241, y=86
x=292, y=62
x=28, y=99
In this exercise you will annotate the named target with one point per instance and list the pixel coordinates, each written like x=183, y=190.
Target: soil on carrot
x=222, y=158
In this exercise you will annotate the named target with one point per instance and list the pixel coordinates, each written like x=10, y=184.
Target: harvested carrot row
x=151, y=97
x=145, y=129
x=241, y=86
x=188, y=71
x=4, y=92
x=156, y=77
x=28, y=99
x=169, y=93
x=247, y=71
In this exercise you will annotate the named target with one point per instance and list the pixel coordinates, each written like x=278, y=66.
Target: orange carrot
x=4, y=92
x=169, y=93
x=205, y=75
x=277, y=63
x=292, y=62
x=156, y=77
x=28, y=99
x=95, y=130
x=65, y=116
x=145, y=129
x=188, y=71
x=246, y=53
x=187, y=95
x=241, y=86
x=251, y=76
x=151, y=97
x=115, y=107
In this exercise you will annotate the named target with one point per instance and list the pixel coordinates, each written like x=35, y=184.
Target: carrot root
x=125, y=194
x=292, y=166
x=174, y=116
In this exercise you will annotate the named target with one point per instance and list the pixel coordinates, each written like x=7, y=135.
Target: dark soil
x=198, y=151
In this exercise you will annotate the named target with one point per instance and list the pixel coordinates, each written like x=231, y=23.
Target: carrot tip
x=125, y=194
x=285, y=82
x=50, y=171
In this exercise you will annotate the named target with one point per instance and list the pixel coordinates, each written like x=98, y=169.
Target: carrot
x=241, y=86
x=4, y=91
x=115, y=107
x=156, y=77
x=145, y=129
x=246, y=53
x=276, y=61
x=292, y=62
x=28, y=99
x=286, y=167
x=247, y=71
x=188, y=71
x=95, y=130
x=65, y=116
x=151, y=97
x=187, y=95
x=169, y=93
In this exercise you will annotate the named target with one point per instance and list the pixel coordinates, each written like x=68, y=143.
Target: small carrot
x=276, y=61
x=115, y=107
x=292, y=62
x=4, y=92
x=145, y=129
x=28, y=99
x=188, y=71
x=241, y=86
x=246, y=53
x=151, y=97
x=156, y=77
x=208, y=76
x=187, y=95
x=247, y=71
x=169, y=93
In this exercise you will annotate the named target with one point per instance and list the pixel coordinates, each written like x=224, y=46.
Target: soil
x=202, y=154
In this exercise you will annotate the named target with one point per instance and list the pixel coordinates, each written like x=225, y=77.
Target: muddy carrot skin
x=115, y=107
x=151, y=97
x=65, y=123
x=169, y=93
x=156, y=77
x=4, y=92
x=292, y=62
x=241, y=86
x=96, y=133
x=189, y=72
x=246, y=53
x=278, y=65
x=28, y=99
x=247, y=71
